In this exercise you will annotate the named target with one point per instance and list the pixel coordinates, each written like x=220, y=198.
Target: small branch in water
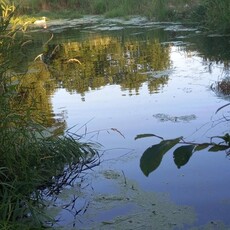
x=124, y=177
x=222, y=108
x=116, y=130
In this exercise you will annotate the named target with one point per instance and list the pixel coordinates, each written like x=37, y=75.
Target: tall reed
x=217, y=15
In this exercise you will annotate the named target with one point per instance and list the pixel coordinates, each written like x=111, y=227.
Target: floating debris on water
x=165, y=117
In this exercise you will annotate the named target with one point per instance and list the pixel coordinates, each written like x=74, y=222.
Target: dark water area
x=110, y=80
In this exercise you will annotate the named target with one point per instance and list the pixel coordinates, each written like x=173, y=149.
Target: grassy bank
x=212, y=14
x=34, y=163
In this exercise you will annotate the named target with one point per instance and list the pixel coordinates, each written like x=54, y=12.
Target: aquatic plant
x=33, y=162
x=222, y=87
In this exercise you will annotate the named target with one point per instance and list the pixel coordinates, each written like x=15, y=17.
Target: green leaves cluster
x=152, y=157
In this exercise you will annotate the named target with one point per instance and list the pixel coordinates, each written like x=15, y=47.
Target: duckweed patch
x=130, y=207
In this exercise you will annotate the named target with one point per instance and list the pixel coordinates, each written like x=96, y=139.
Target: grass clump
x=217, y=15
x=34, y=163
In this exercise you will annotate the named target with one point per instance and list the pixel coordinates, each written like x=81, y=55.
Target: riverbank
x=212, y=15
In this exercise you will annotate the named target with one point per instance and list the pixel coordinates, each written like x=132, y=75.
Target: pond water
x=110, y=80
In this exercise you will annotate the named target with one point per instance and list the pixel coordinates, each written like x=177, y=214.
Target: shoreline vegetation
x=36, y=162
x=213, y=15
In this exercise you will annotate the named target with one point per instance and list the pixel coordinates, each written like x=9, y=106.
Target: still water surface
x=136, y=77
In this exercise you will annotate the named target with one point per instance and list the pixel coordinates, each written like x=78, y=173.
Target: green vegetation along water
x=212, y=14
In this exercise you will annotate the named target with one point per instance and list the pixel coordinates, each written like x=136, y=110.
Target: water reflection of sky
x=204, y=182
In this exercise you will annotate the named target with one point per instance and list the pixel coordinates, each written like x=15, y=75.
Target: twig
x=124, y=177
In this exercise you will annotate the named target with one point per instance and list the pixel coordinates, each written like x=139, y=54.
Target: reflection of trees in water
x=102, y=61
x=213, y=50
x=33, y=95
x=155, y=83
x=105, y=60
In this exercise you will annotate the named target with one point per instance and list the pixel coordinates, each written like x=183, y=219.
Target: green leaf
x=147, y=135
x=152, y=156
x=216, y=148
x=182, y=154
x=226, y=138
x=201, y=146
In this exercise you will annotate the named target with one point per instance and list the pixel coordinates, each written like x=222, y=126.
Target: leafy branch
x=153, y=156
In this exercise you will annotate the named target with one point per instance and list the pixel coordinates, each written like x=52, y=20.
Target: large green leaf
x=152, y=156
x=182, y=154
